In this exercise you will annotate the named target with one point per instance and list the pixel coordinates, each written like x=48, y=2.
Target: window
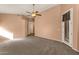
x=6, y=34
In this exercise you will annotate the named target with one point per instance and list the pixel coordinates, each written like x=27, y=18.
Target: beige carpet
x=35, y=46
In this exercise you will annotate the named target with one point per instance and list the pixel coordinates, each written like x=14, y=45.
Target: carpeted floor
x=35, y=46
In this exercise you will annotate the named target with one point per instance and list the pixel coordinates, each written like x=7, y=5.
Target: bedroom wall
x=49, y=24
x=78, y=27
x=75, y=21
x=13, y=23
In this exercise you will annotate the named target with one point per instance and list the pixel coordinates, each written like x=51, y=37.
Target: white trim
x=71, y=28
x=75, y=49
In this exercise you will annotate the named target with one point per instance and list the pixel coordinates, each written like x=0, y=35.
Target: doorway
x=30, y=27
x=67, y=27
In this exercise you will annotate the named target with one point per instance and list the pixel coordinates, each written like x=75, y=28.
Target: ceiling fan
x=34, y=13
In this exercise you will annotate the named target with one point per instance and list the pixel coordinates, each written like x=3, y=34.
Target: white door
x=30, y=27
x=67, y=27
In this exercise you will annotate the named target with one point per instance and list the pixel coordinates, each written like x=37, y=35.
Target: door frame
x=70, y=25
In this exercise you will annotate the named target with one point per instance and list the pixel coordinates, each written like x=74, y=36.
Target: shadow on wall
x=5, y=33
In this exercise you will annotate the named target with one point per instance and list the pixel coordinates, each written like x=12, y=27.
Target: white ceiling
x=22, y=8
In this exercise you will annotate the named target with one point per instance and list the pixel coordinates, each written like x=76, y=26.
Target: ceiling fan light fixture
x=33, y=14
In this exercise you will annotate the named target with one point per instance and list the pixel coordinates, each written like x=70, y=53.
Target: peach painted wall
x=13, y=23
x=78, y=27
x=75, y=21
x=49, y=24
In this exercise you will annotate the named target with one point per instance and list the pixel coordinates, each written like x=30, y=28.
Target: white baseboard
x=71, y=47
x=75, y=49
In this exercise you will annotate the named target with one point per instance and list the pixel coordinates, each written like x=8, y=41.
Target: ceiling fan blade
x=28, y=12
x=28, y=15
x=38, y=14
